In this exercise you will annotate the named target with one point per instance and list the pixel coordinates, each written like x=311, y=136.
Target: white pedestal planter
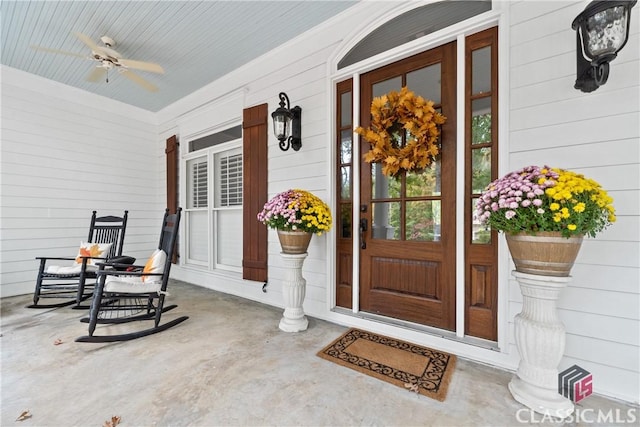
x=293, y=291
x=540, y=338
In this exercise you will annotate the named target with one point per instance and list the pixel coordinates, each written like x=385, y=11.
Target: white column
x=540, y=338
x=293, y=291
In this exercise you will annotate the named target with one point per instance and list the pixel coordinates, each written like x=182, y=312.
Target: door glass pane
x=385, y=86
x=480, y=169
x=426, y=182
x=479, y=233
x=481, y=70
x=345, y=220
x=424, y=219
x=413, y=24
x=345, y=104
x=426, y=82
x=346, y=146
x=383, y=187
x=345, y=182
x=481, y=120
x=386, y=220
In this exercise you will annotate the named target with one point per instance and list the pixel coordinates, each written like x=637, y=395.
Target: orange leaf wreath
x=402, y=110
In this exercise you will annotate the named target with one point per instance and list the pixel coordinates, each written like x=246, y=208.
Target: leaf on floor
x=24, y=415
x=58, y=342
x=412, y=387
x=113, y=422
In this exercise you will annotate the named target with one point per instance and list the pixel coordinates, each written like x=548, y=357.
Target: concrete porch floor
x=228, y=365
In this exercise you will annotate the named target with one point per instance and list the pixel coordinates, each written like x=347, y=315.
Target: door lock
x=363, y=228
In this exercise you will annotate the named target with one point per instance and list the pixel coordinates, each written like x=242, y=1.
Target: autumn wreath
x=390, y=114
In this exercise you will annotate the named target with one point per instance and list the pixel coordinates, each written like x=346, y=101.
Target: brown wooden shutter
x=254, y=190
x=171, y=152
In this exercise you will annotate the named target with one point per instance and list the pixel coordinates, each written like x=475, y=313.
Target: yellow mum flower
x=579, y=207
x=572, y=227
x=554, y=206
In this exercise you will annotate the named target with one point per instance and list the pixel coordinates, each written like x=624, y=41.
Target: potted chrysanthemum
x=555, y=205
x=296, y=215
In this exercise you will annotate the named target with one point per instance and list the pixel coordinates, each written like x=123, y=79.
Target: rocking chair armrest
x=56, y=258
x=119, y=266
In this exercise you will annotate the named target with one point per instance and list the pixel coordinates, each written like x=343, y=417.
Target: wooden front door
x=407, y=223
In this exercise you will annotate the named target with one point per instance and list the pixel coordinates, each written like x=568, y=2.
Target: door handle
x=363, y=228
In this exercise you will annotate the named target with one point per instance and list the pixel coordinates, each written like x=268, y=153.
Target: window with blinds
x=229, y=182
x=214, y=207
x=198, y=190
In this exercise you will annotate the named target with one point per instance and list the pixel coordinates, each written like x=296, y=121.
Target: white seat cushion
x=140, y=284
x=131, y=284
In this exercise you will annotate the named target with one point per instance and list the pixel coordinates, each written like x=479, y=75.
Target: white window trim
x=209, y=153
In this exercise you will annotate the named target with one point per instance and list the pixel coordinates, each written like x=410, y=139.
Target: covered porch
x=229, y=364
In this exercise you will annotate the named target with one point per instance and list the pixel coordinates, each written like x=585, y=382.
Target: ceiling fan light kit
x=108, y=41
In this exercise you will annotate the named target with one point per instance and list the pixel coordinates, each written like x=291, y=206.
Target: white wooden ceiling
x=196, y=42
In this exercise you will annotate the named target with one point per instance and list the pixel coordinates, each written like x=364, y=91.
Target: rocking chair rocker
x=135, y=295
x=76, y=281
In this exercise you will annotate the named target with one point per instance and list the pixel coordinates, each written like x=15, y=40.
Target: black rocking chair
x=137, y=294
x=75, y=283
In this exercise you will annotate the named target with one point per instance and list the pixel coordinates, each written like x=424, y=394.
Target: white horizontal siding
x=597, y=129
x=597, y=134
x=63, y=157
x=303, y=77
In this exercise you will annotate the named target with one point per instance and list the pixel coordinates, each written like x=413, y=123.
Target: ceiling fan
x=108, y=59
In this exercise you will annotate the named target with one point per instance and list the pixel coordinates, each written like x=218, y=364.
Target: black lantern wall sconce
x=286, y=124
x=602, y=30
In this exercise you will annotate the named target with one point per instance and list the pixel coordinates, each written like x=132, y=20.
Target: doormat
x=419, y=369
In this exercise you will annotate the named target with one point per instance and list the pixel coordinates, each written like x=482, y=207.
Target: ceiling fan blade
x=143, y=66
x=46, y=49
x=87, y=40
x=97, y=74
x=139, y=80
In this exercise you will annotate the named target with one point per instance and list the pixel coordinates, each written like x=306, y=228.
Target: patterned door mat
x=419, y=369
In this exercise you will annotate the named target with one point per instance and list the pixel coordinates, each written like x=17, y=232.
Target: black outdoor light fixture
x=602, y=29
x=286, y=124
